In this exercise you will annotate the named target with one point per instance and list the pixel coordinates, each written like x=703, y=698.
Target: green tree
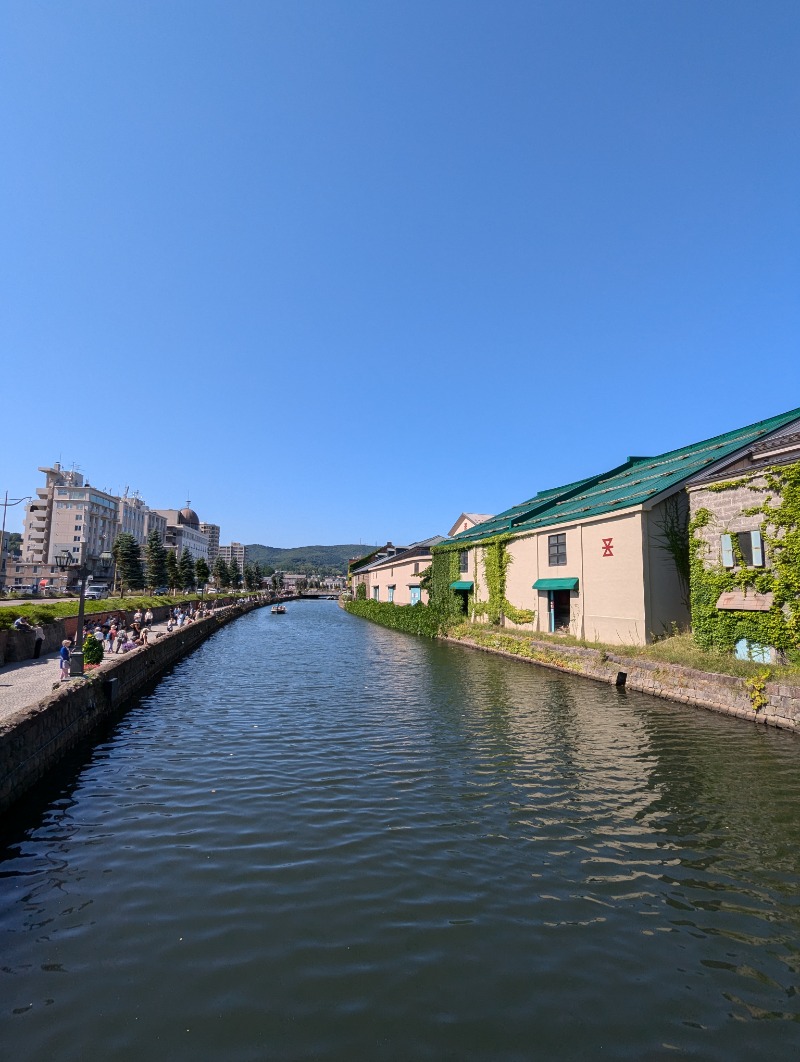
x=253, y=576
x=221, y=573
x=186, y=570
x=235, y=574
x=173, y=576
x=127, y=555
x=156, y=560
x=201, y=571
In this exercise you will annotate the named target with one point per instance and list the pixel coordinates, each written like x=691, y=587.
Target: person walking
x=148, y=617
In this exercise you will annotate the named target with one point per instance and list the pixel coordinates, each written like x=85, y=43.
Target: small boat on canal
x=278, y=610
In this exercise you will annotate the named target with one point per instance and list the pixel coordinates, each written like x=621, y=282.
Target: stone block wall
x=719, y=693
x=728, y=508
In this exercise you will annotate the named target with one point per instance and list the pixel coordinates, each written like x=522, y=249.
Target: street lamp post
x=64, y=562
x=6, y=506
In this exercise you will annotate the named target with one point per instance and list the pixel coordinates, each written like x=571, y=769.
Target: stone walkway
x=31, y=680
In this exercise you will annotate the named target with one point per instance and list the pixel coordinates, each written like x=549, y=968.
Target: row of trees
x=161, y=567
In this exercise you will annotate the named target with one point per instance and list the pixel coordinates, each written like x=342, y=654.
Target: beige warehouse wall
x=401, y=576
x=612, y=586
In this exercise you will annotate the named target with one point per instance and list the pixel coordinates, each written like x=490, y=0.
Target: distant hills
x=307, y=560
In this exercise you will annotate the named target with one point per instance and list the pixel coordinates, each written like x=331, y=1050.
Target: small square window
x=556, y=550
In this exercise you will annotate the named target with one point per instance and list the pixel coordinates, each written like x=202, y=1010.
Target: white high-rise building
x=211, y=531
x=236, y=552
x=67, y=515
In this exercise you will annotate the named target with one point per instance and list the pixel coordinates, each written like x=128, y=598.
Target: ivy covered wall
x=489, y=561
x=769, y=501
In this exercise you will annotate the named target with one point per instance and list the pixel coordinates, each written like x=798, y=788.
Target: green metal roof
x=564, y=583
x=633, y=483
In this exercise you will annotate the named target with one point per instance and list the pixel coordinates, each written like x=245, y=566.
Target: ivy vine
x=494, y=555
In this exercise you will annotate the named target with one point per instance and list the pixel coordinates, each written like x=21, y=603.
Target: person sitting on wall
x=129, y=642
x=21, y=624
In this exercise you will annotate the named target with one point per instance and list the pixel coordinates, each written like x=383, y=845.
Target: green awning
x=556, y=584
x=461, y=584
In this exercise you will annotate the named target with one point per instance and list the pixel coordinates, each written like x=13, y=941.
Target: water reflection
x=321, y=838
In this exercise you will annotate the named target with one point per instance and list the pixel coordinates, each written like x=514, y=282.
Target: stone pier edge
x=35, y=738
x=725, y=694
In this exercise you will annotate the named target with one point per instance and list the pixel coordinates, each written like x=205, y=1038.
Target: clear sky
x=337, y=271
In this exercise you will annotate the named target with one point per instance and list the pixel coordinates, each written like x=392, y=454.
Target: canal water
x=320, y=839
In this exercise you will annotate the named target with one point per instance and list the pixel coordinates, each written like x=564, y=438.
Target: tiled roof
x=633, y=483
x=416, y=549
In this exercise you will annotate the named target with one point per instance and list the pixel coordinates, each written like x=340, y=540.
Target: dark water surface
x=321, y=839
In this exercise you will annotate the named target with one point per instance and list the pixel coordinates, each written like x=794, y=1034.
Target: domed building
x=189, y=517
x=185, y=532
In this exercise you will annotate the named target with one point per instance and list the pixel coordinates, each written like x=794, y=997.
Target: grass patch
x=37, y=612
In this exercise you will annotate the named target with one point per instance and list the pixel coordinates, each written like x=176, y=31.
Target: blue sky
x=339, y=271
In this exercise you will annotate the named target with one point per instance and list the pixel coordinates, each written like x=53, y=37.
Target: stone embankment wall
x=35, y=738
x=770, y=703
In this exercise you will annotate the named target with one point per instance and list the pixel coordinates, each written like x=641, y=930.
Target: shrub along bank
x=413, y=619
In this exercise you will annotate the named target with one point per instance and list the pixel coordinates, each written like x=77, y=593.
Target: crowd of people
x=119, y=636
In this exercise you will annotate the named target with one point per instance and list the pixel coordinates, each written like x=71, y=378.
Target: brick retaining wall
x=35, y=738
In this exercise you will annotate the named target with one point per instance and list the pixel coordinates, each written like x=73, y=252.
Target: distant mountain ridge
x=307, y=560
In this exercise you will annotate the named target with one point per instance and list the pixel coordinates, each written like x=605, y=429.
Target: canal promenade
x=29, y=681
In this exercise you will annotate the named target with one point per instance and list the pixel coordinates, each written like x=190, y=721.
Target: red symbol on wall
x=608, y=547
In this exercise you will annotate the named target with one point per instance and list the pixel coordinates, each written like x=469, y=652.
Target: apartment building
x=211, y=531
x=234, y=551
x=69, y=515
x=133, y=517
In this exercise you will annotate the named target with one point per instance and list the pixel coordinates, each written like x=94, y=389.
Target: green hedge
x=413, y=619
